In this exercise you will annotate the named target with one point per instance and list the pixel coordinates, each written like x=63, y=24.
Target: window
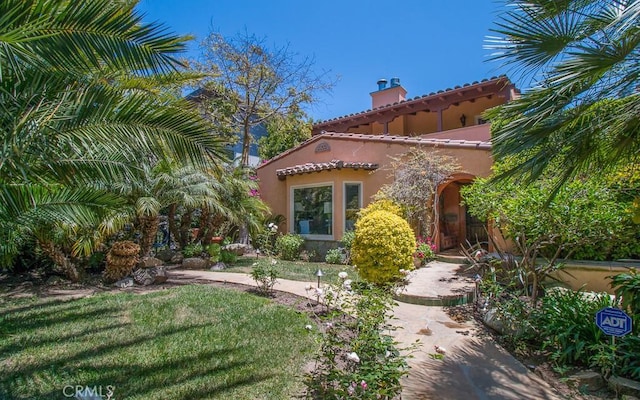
x=313, y=210
x=352, y=204
x=480, y=120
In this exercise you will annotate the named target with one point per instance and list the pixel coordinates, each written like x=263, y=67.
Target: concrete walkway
x=474, y=368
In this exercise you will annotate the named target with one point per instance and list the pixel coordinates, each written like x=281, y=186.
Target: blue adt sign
x=613, y=321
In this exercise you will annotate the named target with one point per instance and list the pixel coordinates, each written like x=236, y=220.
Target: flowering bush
x=359, y=358
x=384, y=244
x=425, y=249
x=265, y=273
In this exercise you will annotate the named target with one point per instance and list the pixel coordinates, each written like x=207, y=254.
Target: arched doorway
x=455, y=225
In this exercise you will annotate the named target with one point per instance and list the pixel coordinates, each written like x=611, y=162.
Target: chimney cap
x=395, y=81
x=382, y=83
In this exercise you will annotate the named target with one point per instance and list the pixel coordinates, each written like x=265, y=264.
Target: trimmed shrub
x=192, y=250
x=384, y=205
x=289, y=246
x=384, y=244
x=334, y=256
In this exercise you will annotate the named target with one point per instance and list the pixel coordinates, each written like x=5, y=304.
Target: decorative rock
x=142, y=277
x=165, y=255
x=623, y=386
x=150, y=276
x=177, y=259
x=237, y=248
x=219, y=266
x=148, y=262
x=124, y=283
x=194, y=263
x=590, y=380
x=159, y=274
x=55, y=280
x=492, y=321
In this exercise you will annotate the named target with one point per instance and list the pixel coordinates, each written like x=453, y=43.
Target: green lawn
x=297, y=270
x=193, y=342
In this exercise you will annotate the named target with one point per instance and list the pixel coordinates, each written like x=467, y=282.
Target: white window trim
x=333, y=214
x=344, y=201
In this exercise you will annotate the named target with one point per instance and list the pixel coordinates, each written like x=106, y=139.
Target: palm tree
x=165, y=186
x=66, y=129
x=582, y=112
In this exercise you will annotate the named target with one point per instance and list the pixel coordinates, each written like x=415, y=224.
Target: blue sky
x=430, y=45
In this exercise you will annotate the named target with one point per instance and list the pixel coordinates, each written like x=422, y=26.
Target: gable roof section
x=415, y=141
x=432, y=101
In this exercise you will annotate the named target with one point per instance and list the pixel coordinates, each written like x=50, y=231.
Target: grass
x=193, y=342
x=297, y=270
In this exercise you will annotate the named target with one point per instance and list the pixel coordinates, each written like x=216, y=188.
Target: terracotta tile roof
x=324, y=166
x=410, y=105
x=414, y=141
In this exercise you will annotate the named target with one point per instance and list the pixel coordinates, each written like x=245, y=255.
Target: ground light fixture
x=319, y=274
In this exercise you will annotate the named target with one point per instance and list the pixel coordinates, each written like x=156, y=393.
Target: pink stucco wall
x=277, y=192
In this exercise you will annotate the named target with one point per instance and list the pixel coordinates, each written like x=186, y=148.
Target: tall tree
x=66, y=128
x=259, y=82
x=583, y=60
x=284, y=133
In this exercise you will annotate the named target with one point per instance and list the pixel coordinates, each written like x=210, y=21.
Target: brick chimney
x=388, y=95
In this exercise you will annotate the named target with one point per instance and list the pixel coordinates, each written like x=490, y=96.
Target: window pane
x=313, y=210
x=351, y=205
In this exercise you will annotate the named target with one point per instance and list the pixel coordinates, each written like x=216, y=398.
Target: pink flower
x=363, y=385
x=351, y=390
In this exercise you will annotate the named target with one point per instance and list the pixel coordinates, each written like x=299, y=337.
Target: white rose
x=353, y=357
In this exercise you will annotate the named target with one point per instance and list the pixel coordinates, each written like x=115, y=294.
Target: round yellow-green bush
x=383, y=204
x=384, y=244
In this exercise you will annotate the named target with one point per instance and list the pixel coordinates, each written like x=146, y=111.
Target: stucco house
x=321, y=184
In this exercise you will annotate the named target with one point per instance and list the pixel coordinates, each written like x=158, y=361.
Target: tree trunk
x=171, y=216
x=204, y=226
x=246, y=144
x=185, y=224
x=148, y=228
x=70, y=270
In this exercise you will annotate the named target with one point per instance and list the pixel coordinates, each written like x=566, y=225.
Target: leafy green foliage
x=627, y=287
x=581, y=112
x=265, y=274
x=228, y=257
x=565, y=325
x=72, y=130
x=289, y=246
x=384, y=244
x=214, y=250
x=588, y=217
x=334, y=256
x=192, y=250
x=284, y=133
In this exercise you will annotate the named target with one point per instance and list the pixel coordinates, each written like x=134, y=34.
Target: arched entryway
x=455, y=225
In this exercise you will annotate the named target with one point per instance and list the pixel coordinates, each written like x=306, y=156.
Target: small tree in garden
x=416, y=177
x=588, y=217
x=384, y=244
